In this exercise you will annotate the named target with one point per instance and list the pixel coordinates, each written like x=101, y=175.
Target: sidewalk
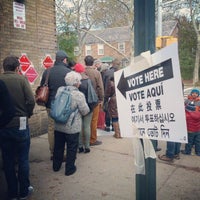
x=107, y=173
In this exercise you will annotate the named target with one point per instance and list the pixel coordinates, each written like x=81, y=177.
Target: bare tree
x=81, y=16
x=195, y=15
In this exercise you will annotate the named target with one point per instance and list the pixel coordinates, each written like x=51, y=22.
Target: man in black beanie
x=57, y=74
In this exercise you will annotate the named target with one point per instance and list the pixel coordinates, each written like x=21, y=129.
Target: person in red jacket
x=192, y=110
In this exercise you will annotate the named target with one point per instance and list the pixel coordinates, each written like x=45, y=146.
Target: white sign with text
x=19, y=18
x=150, y=101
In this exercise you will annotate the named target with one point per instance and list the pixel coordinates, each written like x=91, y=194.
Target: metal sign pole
x=144, y=40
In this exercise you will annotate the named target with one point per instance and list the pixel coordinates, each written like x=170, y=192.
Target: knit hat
x=61, y=55
x=79, y=68
x=195, y=90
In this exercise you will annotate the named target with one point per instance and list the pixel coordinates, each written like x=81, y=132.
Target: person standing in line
x=56, y=79
x=69, y=132
x=15, y=135
x=84, y=136
x=104, y=68
x=115, y=66
x=172, y=152
x=97, y=64
x=112, y=106
x=71, y=64
x=95, y=77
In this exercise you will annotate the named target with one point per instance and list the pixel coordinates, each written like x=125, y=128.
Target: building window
x=88, y=50
x=121, y=47
x=100, y=49
x=76, y=51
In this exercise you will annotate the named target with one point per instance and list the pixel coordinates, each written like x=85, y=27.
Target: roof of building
x=116, y=34
x=122, y=34
x=168, y=27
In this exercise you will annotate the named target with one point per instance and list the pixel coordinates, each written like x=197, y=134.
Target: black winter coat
x=56, y=79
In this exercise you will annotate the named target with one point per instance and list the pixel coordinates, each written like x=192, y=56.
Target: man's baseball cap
x=61, y=55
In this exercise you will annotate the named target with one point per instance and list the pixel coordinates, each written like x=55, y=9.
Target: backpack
x=7, y=108
x=61, y=106
x=92, y=98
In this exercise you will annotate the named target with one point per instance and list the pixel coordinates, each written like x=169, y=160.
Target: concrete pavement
x=107, y=173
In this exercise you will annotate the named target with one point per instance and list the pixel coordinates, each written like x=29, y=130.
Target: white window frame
x=88, y=50
x=100, y=49
x=121, y=47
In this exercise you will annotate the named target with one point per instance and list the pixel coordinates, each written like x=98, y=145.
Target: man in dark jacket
x=15, y=135
x=115, y=66
x=56, y=80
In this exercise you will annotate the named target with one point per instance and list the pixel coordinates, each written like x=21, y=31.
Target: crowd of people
x=65, y=139
x=68, y=139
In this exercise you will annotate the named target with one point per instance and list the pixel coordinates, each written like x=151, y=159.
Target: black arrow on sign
x=167, y=71
x=123, y=85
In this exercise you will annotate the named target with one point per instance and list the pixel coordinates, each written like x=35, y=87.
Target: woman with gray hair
x=69, y=132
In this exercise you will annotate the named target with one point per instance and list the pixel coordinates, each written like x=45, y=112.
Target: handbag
x=101, y=120
x=42, y=92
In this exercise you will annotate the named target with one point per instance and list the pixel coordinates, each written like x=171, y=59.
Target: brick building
x=29, y=27
x=119, y=38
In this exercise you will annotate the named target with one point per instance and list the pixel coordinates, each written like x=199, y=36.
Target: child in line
x=192, y=110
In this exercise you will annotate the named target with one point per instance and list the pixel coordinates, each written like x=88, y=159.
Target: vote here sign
x=150, y=100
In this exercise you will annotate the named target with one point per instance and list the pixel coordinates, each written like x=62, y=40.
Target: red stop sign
x=31, y=74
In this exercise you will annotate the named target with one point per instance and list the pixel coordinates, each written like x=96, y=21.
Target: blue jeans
x=173, y=148
x=115, y=119
x=15, y=143
x=193, y=139
x=84, y=136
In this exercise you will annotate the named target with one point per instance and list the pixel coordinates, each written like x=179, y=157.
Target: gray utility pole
x=159, y=25
x=160, y=13
x=144, y=40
